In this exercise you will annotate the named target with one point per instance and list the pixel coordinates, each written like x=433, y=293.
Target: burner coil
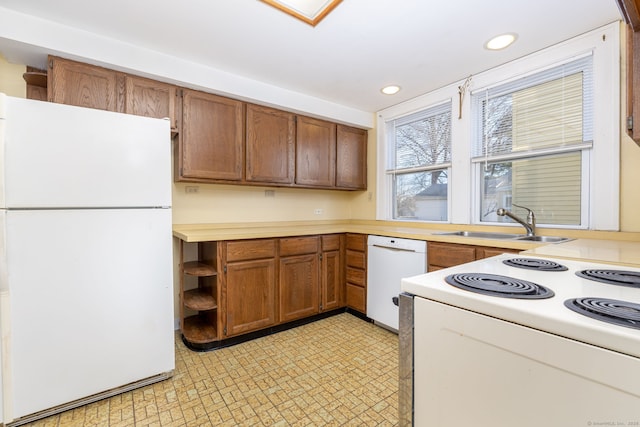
x=499, y=286
x=622, y=313
x=534, y=264
x=612, y=277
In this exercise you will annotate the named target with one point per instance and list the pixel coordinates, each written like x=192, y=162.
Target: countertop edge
x=597, y=246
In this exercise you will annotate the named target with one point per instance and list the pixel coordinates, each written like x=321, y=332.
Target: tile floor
x=333, y=372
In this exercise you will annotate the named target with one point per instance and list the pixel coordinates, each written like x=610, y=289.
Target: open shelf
x=35, y=78
x=200, y=299
x=199, y=269
x=199, y=329
x=199, y=293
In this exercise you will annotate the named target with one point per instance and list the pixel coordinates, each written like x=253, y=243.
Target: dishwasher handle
x=393, y=248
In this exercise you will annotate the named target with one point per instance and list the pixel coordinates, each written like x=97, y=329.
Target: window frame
x=601, y=205
x=392, y=169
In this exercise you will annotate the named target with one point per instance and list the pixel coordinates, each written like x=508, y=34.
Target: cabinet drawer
x=250, y=249
x=331, y=242
x=355, y=276
x=448, y=255
x=355, y=259
x=489, y=252
x=299, y=245
x=357, y=242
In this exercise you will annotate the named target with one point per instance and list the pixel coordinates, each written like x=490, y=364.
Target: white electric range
x=471, y=355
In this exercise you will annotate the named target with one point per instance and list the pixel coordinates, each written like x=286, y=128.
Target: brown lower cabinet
x=356, y=271
x=442, y=255
x=250, y=298
x=331, y=272
x=242, y=286
x=299, y=277
x=249, y=285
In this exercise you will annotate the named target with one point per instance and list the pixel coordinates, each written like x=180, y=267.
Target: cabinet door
x=250, y=296
x=299, y=287
x=212, y=137
x=83, y=85
x=315, y=152
x=331, y=278
x=351, y=158
x=149, y=98
x=269, y=145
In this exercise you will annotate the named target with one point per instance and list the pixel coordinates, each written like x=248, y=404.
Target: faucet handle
x=523, y=207
x=531, y=217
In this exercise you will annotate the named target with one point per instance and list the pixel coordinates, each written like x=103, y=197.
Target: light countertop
x=606, y=247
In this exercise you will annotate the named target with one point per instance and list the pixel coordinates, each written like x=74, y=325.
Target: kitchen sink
x=545, y=239
x=483, y=235
x=505, y=236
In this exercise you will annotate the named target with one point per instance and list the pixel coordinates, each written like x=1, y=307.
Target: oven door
x=472, y=369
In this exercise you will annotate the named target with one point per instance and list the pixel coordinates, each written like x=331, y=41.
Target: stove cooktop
x=565, y=281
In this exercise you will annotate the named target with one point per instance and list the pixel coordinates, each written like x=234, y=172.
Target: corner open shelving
x=199, y=296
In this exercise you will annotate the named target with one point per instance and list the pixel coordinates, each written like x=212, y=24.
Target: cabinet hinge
x=630, y=123
x=320, y=257
x=51, y=63
x=224, y=269
x=225, y=330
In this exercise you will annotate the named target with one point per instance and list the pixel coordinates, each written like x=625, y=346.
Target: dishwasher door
x=389, y=260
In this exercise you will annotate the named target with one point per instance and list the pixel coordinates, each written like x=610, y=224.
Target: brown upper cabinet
x=269, y=144
x=315, y=152
x=150, y=98
x=83, y=85
x=351, y=158
x=631, y=12
x=211, y=144
x=223, y=140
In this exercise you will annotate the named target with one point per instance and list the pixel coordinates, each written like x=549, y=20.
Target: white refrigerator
x=86, y=282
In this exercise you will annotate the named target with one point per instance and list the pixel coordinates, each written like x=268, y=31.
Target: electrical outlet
x=318, y=211
x=190, y=189
x=269, y=193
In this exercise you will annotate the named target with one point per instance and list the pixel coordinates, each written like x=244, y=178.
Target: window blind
x=421, y=139
x=546, y=110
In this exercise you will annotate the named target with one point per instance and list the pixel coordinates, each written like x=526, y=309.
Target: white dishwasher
x=389, y=260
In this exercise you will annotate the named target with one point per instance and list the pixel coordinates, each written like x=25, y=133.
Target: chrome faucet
x=529, y=224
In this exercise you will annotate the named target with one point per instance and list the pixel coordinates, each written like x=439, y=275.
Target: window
x=542, y=131
x=419, y=163
x=530, y=141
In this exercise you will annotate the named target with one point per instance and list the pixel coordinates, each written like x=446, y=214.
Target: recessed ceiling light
x=390, y=90
x=500, y=42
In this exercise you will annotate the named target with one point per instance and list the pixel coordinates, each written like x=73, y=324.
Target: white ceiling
x=360, y=47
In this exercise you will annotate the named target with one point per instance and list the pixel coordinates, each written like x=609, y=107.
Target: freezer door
x=91, y=294
x=64, y=156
